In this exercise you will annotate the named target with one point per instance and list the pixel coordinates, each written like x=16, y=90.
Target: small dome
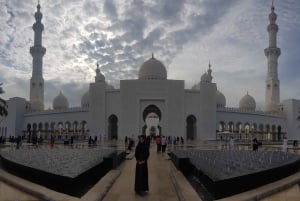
x=60, y=102
x=152, y=69
x=205, y=78
x=247, y=102
x=109, y=86
x=220, y=99
x=85, y=100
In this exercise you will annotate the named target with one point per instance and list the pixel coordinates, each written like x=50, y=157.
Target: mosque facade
x=152, y=104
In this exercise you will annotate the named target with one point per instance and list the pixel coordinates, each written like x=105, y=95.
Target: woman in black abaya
x=141, y=170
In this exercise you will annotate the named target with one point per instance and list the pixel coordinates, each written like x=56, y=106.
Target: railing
x=53, y=111
x=257, y=112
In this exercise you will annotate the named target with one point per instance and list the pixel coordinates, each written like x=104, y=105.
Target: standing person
x=182, y=140
x=163, y=143
x=158, y=143
x=231, y=143
x=285, y=145
x=174, y=140
x=141, y=170
x=255, y=144
x=52, y=141
x=18, y=141
x=72, y=139
x=130, y=144
x=148, y=141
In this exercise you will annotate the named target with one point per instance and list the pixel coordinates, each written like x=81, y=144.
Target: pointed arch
x=191, y=127
x=113, y=127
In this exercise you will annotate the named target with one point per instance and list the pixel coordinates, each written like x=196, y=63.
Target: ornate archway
x=151, y=117
x=191, y=127
x=112, y=127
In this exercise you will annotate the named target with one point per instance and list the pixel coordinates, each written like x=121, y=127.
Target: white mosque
x=153, y=104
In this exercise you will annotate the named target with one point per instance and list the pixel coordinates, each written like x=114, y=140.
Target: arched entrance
x=29, y=132
x=151, y=117
x=279, y=132
x=113, y=127
x=191, y=128
x=34, y=134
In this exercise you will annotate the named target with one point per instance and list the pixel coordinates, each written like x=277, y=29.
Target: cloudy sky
x=120, y=35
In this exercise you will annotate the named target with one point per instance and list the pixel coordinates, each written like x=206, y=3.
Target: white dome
x=153, y=69
x=206, y=78
x=247, y=103
x=85, y=100
x=220, y=99
x=60, y=102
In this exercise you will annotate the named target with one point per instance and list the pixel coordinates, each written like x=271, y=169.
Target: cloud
x=109, y=8
x=121, y=35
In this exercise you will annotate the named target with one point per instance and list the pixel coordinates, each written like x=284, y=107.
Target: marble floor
x=291, y=194
x=9, y=193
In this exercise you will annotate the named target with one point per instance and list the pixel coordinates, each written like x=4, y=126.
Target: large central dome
x=153, y=69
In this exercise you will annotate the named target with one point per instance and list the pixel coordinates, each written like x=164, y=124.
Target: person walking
x=141, y=170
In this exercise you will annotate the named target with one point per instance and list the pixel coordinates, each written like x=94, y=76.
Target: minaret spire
x=38, y=6
x=99, y=76
x=209, y=71
x=272, y=53
x=37, y=51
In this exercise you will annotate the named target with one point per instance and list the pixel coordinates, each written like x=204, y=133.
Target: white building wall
x=291, y=110
x=14, y=120
x=191, y=102
x=207, y=113
x=129, y=114
x=97, y=108
x=113, y=103
x=175, y=108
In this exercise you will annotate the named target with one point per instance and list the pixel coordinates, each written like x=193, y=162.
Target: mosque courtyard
x=166, y=182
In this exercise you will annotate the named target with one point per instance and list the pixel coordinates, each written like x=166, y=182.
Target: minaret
x=272, y=53
x=37, y=51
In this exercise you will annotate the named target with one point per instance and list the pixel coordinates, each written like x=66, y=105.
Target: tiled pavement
x=165, y=183
x=161, y=183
